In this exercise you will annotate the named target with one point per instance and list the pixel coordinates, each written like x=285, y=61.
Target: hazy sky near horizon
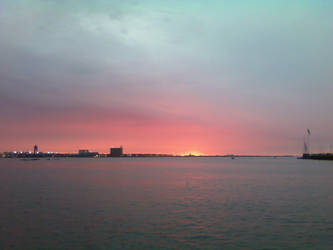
x=166, y=76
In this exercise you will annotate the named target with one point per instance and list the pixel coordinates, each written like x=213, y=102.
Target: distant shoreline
x=326, y=157
x=52, y=156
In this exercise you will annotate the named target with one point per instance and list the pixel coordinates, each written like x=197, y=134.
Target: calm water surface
x=166, y=203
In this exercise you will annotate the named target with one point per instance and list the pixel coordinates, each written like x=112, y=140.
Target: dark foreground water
x=166, y=203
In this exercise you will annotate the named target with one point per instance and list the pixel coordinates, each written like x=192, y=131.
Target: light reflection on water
x=166, y=203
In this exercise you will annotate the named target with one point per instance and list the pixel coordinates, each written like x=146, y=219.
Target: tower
x=35, y=149
x=308, y=134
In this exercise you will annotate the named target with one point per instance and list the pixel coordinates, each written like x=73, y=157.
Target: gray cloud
x=259, y=62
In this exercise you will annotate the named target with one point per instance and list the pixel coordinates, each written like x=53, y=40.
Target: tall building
x=35, y=149
x=116, y=152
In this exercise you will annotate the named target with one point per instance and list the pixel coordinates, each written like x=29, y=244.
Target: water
x=166, y=203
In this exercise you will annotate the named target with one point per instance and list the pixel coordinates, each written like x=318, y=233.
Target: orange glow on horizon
x=192, y=153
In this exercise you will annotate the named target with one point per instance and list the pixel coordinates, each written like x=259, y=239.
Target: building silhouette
x=116, y=152
x=83, y=151
x=35, y=149
x=86, y=153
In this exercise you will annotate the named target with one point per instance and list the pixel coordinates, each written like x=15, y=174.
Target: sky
x=166, y=76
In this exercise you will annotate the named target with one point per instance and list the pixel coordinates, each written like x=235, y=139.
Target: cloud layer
x=166, y=76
